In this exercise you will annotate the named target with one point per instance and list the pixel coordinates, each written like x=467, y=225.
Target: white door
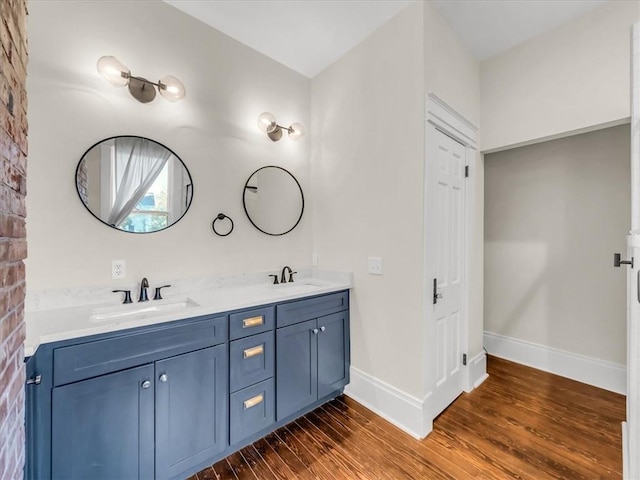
x=631, y=453
x=446, y=184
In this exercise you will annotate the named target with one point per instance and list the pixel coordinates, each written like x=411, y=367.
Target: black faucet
x=157, y=295
x=127, y=295
x=283, y=278
x=143, y=290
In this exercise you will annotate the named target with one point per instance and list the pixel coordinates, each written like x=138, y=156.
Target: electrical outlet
x=314, y=259
x=375, y=265
x=118, y=269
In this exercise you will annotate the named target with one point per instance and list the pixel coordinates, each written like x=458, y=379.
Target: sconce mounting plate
x=275, y=135
x=141, y=89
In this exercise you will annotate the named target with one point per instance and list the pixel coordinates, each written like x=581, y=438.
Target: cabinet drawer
x=91, y=359
x=251, y=410
x=251, y=360
x=250, y=322
x=301, y=310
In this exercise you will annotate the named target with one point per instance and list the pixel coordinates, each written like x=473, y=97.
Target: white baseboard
x=405, y=411
x=395, y=406
x=607, y=375
x=476, y=372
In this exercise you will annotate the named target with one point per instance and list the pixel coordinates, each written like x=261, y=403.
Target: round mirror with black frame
x=273, y=200
x=134, y=184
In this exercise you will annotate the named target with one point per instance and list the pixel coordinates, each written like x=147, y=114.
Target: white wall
x=366, y=158
x=213, y=130
x=451, y=71
x=555, y=214
x=367, y=170
x=571, y=78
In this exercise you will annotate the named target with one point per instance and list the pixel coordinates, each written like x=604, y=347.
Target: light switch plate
x=375, y=265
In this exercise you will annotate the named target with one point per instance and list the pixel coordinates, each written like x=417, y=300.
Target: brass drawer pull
x=253, y=351
x=253, y=322
x=253, y=401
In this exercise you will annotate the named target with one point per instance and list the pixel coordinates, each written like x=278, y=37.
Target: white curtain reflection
x=138, y=163
x=179, y=191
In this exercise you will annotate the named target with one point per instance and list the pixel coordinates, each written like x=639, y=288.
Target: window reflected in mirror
x=134, y=184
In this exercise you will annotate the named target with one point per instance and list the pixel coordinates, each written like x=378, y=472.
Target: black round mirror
x=134, y=184
x=273, y=200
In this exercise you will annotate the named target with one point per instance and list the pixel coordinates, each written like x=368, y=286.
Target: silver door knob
x=315, y=331
x=164, y=377
x=322, y=329
x=146, y=384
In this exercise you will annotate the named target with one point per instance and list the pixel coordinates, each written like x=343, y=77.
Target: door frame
x=440, y=115
x=631, y=428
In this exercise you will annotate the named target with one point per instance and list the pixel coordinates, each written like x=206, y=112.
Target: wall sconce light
x=267, y=124
x=140, y=88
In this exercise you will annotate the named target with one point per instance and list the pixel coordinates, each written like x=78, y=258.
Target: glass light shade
x=113, y=71
x=296, y=131
x=172, y=89
x=267, y=122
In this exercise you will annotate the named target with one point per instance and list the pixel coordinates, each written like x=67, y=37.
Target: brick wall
x=13, y=246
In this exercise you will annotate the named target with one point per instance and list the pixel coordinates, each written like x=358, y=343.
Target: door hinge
x=466, y=171
x=464, y=359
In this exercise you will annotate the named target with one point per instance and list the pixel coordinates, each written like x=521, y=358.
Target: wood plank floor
x=520, y=423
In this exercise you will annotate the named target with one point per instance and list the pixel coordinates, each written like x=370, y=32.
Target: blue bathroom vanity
x=165, y=400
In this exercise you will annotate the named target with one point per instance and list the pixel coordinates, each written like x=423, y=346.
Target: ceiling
x=309, y=35
x=489, y=27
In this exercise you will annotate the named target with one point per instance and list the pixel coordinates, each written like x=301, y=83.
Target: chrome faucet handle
x=275, y=279
x=143, y=290
x=157, y=295
x=127, y=295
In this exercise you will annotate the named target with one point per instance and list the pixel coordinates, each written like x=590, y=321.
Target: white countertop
x=45, y=325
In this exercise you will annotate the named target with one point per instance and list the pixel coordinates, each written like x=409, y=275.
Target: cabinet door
x=296, y=368
x=333, y=353
x=191, y=409
x=102, y=428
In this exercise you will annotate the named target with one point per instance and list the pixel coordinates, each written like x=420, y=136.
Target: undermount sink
x=301, y=286
x=153, y=307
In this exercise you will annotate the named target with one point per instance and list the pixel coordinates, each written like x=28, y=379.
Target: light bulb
x=172, y=89
x=113, y=71
x=267, y=122
x=296, y=131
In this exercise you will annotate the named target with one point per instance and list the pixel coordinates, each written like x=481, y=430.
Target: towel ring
x=221, y=216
